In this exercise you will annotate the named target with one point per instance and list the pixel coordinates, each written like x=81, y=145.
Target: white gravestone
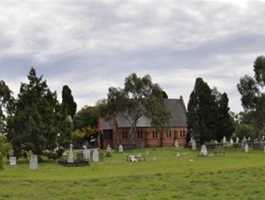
x=95, y=155
x=224, y=140
x=109, y=149
x=176, y=144
x=120, y=148
x=86, y=153
x=204, y=151
x=246, y=148
x=33, y=163
x=70, y=158
x=12, y=161
x=237, y=140
x=193, y=144
x=231, y=142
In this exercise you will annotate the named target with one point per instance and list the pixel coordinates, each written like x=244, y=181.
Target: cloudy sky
x=94, y=44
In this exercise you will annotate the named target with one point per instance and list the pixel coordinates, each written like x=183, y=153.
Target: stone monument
x=120, y=148
x=204, y=151
x=33, y=163
x=86, y=153
x=95, y=155
x=70, y=158
x=176, y=144
x=246, y=148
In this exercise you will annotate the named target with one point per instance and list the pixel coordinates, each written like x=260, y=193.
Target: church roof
x=176, y=108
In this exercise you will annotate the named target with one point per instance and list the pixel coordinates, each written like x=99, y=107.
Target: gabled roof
x=176, y=108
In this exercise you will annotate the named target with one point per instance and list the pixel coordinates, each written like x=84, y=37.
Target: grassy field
x=235, y=175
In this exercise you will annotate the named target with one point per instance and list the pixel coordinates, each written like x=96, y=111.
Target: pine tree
x=202, y=112
x=33, y=126
x=68, y=104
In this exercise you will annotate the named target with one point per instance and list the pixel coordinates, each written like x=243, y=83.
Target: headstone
x=120, y=148
x=33, y=163
x=95, y=155
x=193, y=144
x=109, y=149
x=249, y=138
x=12, y=161
x=231, y=142
x=204, y=151
x=237, y=140
x=246, y=148
x=86, y=153
x=176, y=144
x=224, y=140
x=70, y=158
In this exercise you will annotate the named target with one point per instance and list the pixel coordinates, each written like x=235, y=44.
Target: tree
x=208, y=113
x=253, y=95
x=202, y=112
x=139, y=97
x=34, y=124
x=4, y=148
x=87, y=116
x=6, y=101
x=68, y=104
x=225, y=125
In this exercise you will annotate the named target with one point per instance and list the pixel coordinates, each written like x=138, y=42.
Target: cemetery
x=195, y=172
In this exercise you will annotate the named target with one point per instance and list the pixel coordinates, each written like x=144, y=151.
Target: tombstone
x=193, y=144
x=33, y=163
x=70, y=158
x=12, y=161
x=249, y=139
x=231, y=142
x=86, y=153
x=109, y=149
x=176, y=144
x=246, y=148
x=95, y=155
x=263, y=138
x=120, y=148
x=204, y=151
x=237, y=140
x=224, y=140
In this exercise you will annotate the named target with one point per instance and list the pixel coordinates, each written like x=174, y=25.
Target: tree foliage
x=139, y=97
x=34, y=123
x=253, y=95
x=6, y=101
x=208, y=113
x=68, y=104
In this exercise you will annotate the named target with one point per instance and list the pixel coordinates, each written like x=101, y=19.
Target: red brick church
x=115, y=132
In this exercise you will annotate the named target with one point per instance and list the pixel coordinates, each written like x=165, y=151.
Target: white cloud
x=93, y=44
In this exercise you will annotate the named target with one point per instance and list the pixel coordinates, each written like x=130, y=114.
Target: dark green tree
x=225, y=125
x=68, y=104
x=253, y=95
x=4, y=148
x=33, y=125
x=202, y=112
x=86, y=117
x=139, y=97
x=6, y=101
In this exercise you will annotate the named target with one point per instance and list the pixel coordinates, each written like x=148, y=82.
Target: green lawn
x=235, y=175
